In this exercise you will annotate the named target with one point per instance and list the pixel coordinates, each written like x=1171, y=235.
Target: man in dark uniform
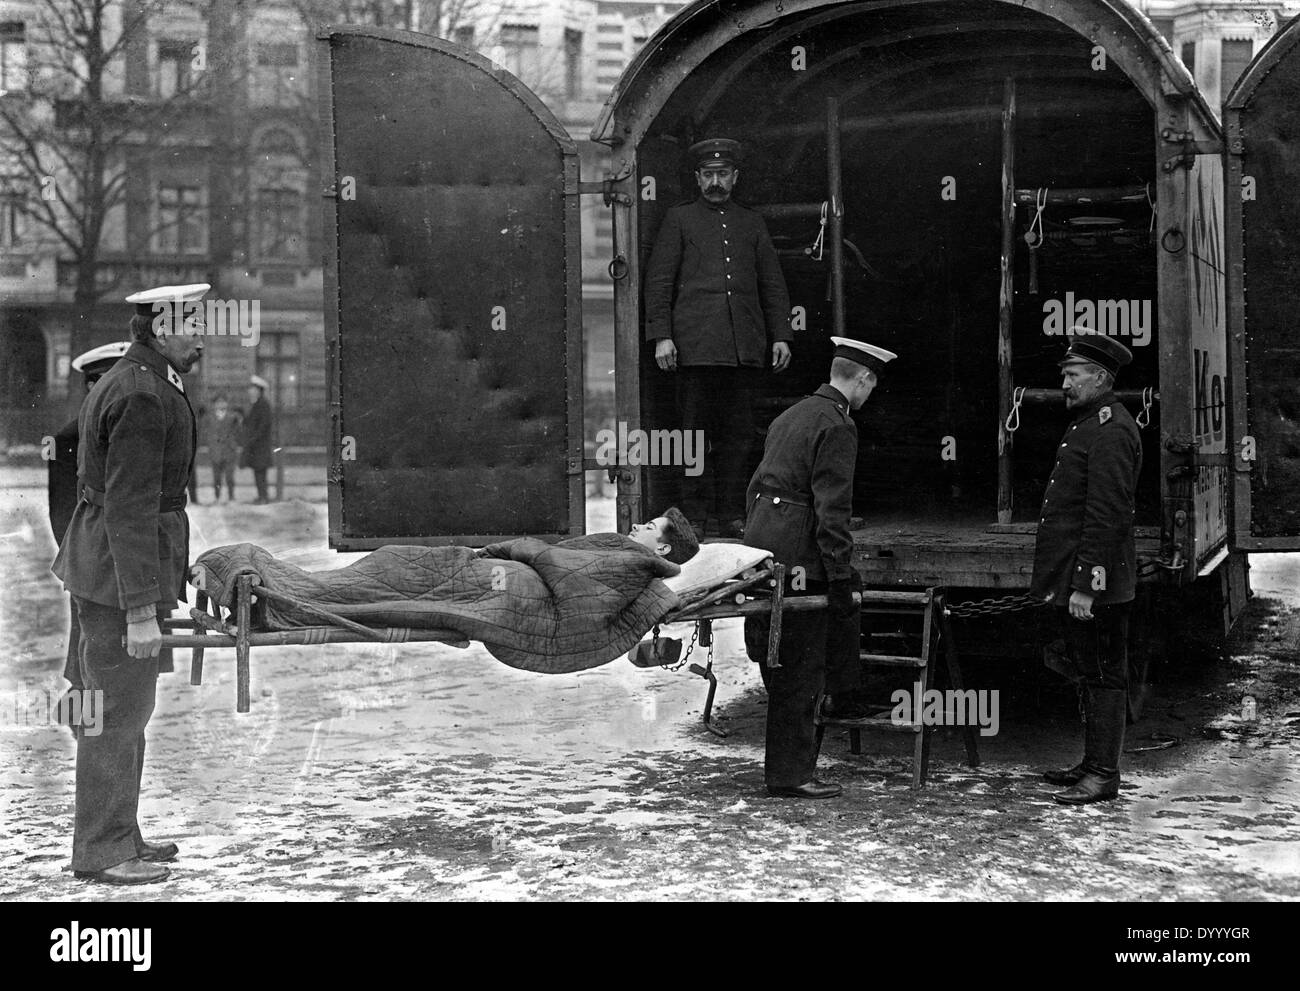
x=61, y=489
x=800, y=501
x=257, y=435
x=1085, y=562
x=717, y=312
x=124, y=559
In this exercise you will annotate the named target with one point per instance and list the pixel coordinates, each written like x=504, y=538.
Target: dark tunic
x=714, y=285
x=257, y=435
x=801, y=497
x=1085, y=530
x=127, y=543
x=61, y=484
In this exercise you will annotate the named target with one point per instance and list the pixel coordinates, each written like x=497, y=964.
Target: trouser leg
x=109, y=763
x=793, y=688
x=843, y=654
x=733, y=440
x=72, y=663
x=259, y=479
x=695, y=411
x=1100, y=650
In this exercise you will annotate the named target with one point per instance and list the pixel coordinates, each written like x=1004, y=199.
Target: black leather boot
x=1103, y=743
x=1065, y=776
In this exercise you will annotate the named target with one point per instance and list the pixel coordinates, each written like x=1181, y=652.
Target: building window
x=572, y=64
x=522, y=51
x=276, y=82
x=182, y=229
x=13, y=56
x=1188, y=56
x=464, y=35
x=1236, y=55
x=175, y=68
x=279, y=361
x=13, y=219
x=279, y=225
x=278, y=142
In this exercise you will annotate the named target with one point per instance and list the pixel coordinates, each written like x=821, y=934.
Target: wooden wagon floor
x=958, y=549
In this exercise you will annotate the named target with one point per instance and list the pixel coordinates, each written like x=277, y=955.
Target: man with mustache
x=717, y=312
x=1085, y=560
x=124, y=558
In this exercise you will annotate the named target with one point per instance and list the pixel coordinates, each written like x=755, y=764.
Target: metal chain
x=689, y=647
x=995, y=606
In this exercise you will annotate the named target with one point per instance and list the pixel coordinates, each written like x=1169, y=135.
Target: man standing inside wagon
x=717, y=312
x=1085, y=560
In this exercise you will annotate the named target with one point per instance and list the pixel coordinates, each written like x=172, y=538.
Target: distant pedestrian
x=257, y=435
x=223, y=447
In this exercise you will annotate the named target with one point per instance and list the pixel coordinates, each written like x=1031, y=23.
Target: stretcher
x=729, y=580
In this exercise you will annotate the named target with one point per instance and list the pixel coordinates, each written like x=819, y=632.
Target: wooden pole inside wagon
x=836, y=213
x=1006, y=296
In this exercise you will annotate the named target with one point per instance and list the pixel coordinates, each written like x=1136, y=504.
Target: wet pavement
x=377, y=772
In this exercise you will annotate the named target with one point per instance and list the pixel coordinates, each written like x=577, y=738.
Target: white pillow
x=713, y=564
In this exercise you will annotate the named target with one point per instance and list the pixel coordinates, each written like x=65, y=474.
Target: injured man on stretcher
x=548, y=607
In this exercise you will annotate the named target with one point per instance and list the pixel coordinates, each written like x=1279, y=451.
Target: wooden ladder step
x=892, y=660
x=872, y=722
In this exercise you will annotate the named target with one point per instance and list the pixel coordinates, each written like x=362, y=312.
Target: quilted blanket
x=553, y=608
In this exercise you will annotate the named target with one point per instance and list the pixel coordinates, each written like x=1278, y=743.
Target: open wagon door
x=452, y=297
x=1262, y=120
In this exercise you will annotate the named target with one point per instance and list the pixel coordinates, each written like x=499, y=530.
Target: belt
x=778, y=496
x=166, y=504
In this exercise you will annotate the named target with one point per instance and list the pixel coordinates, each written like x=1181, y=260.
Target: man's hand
x=1081, y=605
x=780, y=356
x=666, y=354
x=143, y=639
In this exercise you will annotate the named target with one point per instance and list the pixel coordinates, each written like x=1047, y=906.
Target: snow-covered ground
x=425, y=772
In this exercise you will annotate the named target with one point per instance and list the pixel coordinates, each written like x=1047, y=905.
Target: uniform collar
x=146, y=356
x=715, y=207
x=828, y=391
x=1083, y=412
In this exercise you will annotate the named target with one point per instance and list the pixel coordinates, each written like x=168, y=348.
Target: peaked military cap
x=715, y=151
x=1098, y=349
x=101, y=359
x=864, y=354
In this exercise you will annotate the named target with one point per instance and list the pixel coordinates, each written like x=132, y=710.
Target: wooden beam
x=1006, y=297
x=835, y=214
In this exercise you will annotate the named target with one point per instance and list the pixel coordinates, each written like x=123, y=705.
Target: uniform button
x=1065, y=445
x=728, y=259
x=728, y=275
x=728, y=292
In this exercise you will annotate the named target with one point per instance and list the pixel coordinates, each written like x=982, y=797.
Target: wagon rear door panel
x=453, y=289
x=1262, y=119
